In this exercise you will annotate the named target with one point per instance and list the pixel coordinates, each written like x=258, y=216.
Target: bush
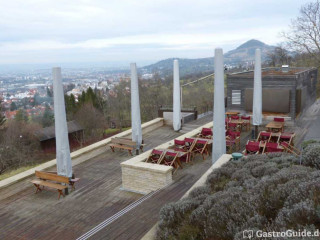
x=310, y=156
x=266, y=192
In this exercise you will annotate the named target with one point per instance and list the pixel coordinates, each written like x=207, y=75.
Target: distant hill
x=242, y=54
x=245, y=52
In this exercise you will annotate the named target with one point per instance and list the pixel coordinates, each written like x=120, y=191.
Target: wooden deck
x=25, y=215
x=98, y=196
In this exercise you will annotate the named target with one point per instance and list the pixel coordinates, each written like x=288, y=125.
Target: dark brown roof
x=272, y=72
x=49, y=132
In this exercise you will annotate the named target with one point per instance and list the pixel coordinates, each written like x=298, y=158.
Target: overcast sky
x=74, y=31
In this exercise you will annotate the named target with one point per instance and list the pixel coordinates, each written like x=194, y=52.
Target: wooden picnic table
x=232, y=114
x=275, y=126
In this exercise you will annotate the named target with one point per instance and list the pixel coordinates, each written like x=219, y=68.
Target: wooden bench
x=123, y=143
x=51, y=180
x=129, y=139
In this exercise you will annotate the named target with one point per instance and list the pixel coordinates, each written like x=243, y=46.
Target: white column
x=64, y=166
x=257, y=90
x=176, y=97
x=219, y=134
x=135, y=106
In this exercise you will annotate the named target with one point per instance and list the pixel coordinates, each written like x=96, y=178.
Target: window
x=236, y=97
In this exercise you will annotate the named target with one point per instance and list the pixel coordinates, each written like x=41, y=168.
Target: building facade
x=284, y=90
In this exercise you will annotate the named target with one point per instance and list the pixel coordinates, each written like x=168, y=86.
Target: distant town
x=33, y=91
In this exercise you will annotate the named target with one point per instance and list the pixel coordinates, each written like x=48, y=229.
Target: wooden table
x=275, y=126
x=232, y=114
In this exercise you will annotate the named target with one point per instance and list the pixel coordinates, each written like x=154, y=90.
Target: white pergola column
x=257, y=92
x=64, y=166
x=135, y=107
x=176, y=97
x=219, y=134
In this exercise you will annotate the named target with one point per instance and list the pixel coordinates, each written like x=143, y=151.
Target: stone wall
x=142, y=177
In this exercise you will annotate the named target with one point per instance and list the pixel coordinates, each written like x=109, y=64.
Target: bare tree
x=279, y=56
x=92, y=120
x=304, y=34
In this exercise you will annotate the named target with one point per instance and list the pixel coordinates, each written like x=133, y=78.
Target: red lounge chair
x=169, y=158
x=189, y=142
x=233, y=127
x=200, y=146
x=287, y=138
x=206, y=133
x=290, y=149
x=252, y=147
x=272, y=147
x=234, y=136
x=264, y=136
x=278, y=119
x=274, y=138
x=231, y=145
x=246, y=122
x=180, y=146
x=155, y=156
x=234, y=117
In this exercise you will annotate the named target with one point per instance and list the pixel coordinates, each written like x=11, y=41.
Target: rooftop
x=49, y=132
x=272, y=72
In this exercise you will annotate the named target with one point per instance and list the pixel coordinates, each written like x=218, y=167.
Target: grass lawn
x=16, y=171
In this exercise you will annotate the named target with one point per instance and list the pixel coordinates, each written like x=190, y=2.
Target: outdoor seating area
x=268, y=142
x=235, y=124
x=182, y=151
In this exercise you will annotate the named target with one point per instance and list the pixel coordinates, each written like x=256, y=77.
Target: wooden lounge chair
x=206, y=133
x=252, y=147
x=290, y=149
x=155, y=156
x=200, y=146
x=180, y=146
x=189, y=142
x=272, y=147
x=286, y=137
x=234, y=136
x=235, y=117
x=275, y=137
x=234, y=127
x=246, y=122
x=264, y=136
x=171, y=159
x=231, y=145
